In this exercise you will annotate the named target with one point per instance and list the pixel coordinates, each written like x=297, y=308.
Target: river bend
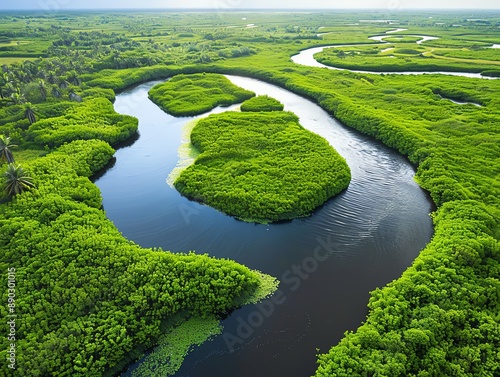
x=371, y=232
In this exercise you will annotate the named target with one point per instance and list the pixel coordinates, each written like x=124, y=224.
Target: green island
x=261, y=167
x=262, y=103
x=402, y=39
x=90, y=301
x=186, y=95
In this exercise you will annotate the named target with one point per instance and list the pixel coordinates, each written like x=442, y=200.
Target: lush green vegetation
x=89, y=298
x=261, y=167
x=94, y=118
x=262, y=103
x=484, y=53
x=168, y=356
x=185, y=95
x=74, y=270
x=177, y=341
x=348, y=34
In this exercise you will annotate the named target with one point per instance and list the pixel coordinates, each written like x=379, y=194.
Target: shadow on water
x=98, y=175
x=129, y=142
x=112, y=162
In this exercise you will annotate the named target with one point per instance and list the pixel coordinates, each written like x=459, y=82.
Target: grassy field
x=9, y=61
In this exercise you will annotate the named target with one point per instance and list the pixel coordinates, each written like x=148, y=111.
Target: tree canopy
x=262, y=166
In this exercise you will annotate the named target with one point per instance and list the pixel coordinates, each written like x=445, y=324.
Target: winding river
x=371, y=233
x=306, y=57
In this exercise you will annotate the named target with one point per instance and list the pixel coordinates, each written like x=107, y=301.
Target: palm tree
x=74, y=97
x=16, y=180
x=55, y=91
x=73, y=78
x=29, y=113
x=5, y=149
x=29, y=67
x=41, y=74
x=9, y=89
x=63, y=84
x=5, y=80
x=43, y=89
x=52, y=78
x=17, y=98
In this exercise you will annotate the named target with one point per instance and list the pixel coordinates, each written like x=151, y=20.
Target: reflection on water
x=327, y=263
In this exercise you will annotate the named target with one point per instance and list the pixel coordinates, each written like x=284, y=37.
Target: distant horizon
x=298, y=10
x=247, y=5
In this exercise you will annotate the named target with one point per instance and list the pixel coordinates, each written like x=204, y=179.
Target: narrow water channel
x=306, y=57
x=371, y=233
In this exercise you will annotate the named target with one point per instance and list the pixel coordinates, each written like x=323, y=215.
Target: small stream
x=306, y=57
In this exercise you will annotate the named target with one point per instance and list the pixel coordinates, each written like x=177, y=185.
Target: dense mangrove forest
x=81, y=299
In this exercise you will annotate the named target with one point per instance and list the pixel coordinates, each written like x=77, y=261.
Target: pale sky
x=217, y=5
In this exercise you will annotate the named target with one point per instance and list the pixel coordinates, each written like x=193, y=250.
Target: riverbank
x=186, y=333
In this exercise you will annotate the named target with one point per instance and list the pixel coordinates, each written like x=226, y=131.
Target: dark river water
x=327, y=263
